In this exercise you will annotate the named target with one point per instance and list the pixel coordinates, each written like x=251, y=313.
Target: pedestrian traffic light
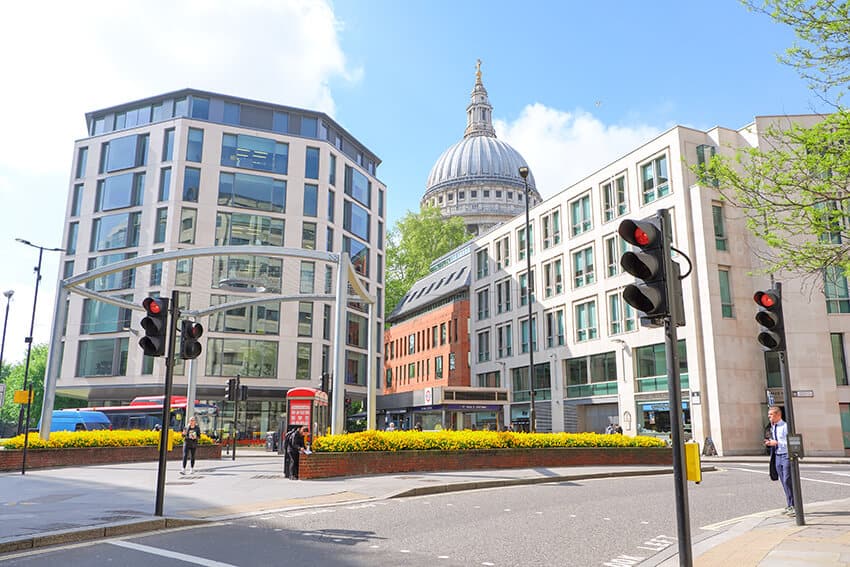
x=647, y=264
x=155, y=325
x=243, y=393
x=231, y=391
x=769, y=316
x=190, y=332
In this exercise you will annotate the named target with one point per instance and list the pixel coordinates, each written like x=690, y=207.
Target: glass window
x=245, y=229
x=311, y=167
x=523, y=328
x=191, y=184
x=308, y=235
x=100, y=317
x=311, y=200
x=355, y=368
x=580, y=218
x=554, y=321
x=119, y=191
x=195, y=145
x=654, y=179
x=181, y=107
x=165, y=184
x=836, y=290
x=484, y=346
x=124, y=153
x=329, y=239
x=280, y=122
x=332, y=170
x=156, y=274
x=356, y=220
x=483, y=297
x=359, y=254
x=615, y=247
x=161, y=225
x=585, y=320
x=252, y=192
x=102, y=357
x=249, y=319
x=651, y=367
x=503, y=296
x=356, y=327
x=839, y=359
x=308, y=277
x=115, y=231
x=304, y=361
x=622, y=317
x=309, y=126
x=73, y=231
x=614, y=202
x=253, y=152
x=482, y=263
x=246, y=357
x=188, y=218
x=82, y=161
x=125, y=279
x=524, y=290
x=380, y=203
x=504, y=341
x=256, y=271
x=358, y=186
x=77, y=200
x=551, y=223
x=726, y=306
x=200, y=107
x=521, y=244
x=503, y=253
x=720, y=240
x=162, y=111
x=168, y=145
x=331, y=205
x=583, y=269
x=553, y=278
x=594, y=375
x=305, y=318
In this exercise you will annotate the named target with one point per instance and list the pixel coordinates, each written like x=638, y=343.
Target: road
x=617, y=521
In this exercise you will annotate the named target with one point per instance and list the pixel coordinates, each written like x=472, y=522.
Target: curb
x=76, y=535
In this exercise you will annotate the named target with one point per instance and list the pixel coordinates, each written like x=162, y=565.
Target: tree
x=793, y=187
x=417, y=240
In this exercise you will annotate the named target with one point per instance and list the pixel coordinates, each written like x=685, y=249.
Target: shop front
x=653, y=418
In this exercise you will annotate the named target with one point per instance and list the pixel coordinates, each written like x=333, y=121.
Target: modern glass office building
x=198, y=169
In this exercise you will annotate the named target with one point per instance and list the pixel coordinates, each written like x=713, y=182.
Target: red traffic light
x=193, y=330
x=766, y=299
x=152, y=305
x=641, y=237
x=644, y=234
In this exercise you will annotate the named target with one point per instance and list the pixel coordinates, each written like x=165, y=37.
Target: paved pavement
x=46, y=507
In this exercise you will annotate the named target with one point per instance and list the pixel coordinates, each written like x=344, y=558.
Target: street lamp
x=28, y=339
x=8, y=293
x=523, y=172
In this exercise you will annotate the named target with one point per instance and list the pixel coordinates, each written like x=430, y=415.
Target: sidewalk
x=46, y=507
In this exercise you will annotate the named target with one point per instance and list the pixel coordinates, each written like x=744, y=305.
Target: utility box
x=692, y=462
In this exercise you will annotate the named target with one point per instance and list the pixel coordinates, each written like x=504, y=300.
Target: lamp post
x=28, y=339
x=8, y=293
x=532, y=425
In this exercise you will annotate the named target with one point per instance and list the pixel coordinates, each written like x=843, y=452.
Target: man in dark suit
x=778, y=443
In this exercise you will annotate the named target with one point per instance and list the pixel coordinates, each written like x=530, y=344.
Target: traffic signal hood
x=190, y=332
x=772, y=334
x=155, y=325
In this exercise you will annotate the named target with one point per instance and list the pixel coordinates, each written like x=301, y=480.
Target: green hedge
x=70, y=439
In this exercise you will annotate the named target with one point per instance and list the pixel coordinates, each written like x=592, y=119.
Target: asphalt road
x=619, y=521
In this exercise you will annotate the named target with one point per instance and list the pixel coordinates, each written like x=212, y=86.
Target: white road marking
x=801, y=478
x=404, y=550
x=170, y=554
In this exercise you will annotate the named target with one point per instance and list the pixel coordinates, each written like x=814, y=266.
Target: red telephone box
x=307, y=406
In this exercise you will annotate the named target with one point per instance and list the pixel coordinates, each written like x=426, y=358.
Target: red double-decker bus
x=146, y=413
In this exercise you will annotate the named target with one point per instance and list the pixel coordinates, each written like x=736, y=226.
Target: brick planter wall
x=323, y=465
x=49, y=458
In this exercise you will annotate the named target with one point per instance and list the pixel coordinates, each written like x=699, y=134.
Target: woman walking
x=191, y=435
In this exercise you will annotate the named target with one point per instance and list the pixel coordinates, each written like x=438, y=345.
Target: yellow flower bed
x=463, y=440
x=71, y=439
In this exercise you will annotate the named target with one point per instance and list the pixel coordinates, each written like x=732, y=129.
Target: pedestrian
x=391, y=426
x=610, y=429
x=778, y=444
x=191, y=435
x=287, y=460
x=418, y=427
x=618, y=429
x=296, y=447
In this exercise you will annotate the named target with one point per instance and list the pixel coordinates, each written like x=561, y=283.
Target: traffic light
x=231, y=391
x=190, y=332
x=769, y=316
x=243, y=393
x=155, y=325
x=648, y=265
x=651, y=295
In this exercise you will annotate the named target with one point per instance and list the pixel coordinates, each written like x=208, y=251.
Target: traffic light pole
x=796, y=487
x=235, y=417
x=165, y=431
x=674, y=390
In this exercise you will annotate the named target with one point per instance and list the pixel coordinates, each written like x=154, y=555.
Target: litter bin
x=270, y=444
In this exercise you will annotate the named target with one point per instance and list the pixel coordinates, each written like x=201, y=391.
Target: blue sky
x=573, y=86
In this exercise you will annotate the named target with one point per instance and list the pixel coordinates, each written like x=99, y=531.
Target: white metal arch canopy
x=76, y=284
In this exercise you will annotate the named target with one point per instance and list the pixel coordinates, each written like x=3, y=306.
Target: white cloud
x=62, y=59
x=562, y=147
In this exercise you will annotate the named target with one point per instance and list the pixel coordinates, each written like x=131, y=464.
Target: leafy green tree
x=417, y=240
x=15, y=381
x=793, y=187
